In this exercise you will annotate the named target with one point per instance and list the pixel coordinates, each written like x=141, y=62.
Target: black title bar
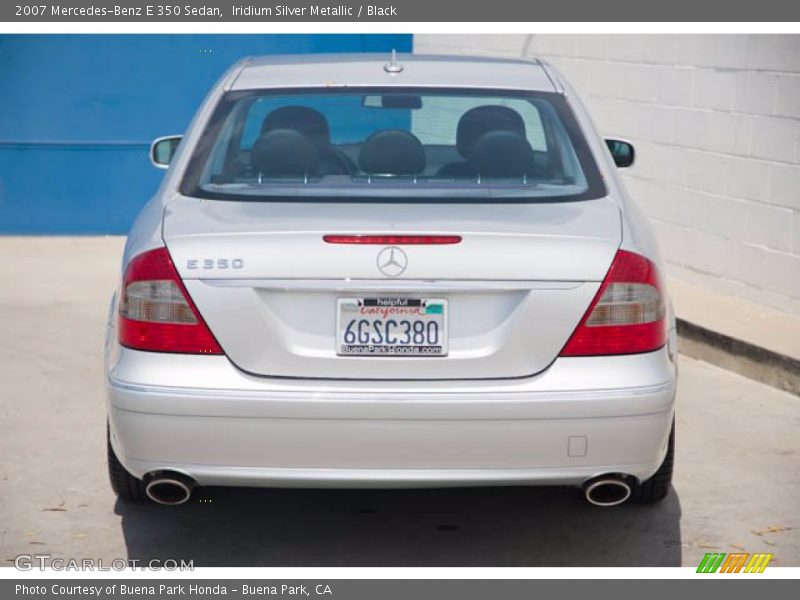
x=401, y=11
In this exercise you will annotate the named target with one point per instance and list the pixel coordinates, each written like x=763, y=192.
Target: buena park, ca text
x=174, y=590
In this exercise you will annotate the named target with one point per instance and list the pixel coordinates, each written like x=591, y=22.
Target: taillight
x=627, y=315
x=155, y=311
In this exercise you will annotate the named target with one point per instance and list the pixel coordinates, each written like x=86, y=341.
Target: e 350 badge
x=214, y=263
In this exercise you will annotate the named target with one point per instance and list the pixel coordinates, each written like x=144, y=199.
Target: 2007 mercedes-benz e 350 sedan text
x=391, y=272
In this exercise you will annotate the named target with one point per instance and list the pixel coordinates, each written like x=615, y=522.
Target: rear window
x=382, y=144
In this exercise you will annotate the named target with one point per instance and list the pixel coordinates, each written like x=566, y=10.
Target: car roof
x=367, y=70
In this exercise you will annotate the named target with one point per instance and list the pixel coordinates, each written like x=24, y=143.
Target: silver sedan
x=395, y=271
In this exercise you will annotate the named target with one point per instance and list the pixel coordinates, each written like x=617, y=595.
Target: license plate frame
x=378, y=312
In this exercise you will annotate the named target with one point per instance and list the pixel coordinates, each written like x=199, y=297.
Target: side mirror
x=622, y=152
x=162, y=150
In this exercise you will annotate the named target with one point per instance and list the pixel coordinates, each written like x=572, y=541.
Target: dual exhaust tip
x=169, y=488
x=173, y=489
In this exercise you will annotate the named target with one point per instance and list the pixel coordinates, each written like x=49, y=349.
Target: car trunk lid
x=515, y=286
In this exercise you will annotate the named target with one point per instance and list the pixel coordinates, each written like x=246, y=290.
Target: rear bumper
x=201, y=416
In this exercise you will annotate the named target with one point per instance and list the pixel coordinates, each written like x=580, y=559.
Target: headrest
x=502, y=154
x=482, y=119
x=284, y=153
x=392, y=152
x=306, y=120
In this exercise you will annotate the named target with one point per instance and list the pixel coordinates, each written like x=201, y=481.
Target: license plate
x=391, y=327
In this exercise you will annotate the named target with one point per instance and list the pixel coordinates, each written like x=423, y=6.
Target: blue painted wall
x=78, y=112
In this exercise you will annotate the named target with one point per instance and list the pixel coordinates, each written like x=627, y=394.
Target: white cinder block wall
x=716, y=124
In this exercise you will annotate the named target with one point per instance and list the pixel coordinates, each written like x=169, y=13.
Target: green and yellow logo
x=738, y=562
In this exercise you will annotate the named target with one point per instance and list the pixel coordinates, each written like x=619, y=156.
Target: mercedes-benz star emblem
x=392, y=261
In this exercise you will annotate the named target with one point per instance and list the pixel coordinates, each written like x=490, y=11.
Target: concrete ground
x=756, y=324
x=734, y=333
x=737, y=485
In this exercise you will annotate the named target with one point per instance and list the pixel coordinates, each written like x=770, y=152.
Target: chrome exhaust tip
x=607, y=491
x=170, y=489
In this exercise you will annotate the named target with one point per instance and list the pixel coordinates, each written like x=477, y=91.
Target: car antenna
x=393, y=66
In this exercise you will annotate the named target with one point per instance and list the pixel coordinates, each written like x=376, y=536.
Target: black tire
x=125, y=486
x=657, y=487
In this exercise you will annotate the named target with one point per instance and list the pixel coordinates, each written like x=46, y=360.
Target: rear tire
x=657, y=487
x=125, y=486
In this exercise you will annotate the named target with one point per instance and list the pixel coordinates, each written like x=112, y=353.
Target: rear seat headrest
x=284, y=153
x=482, y=119
x=392, y=152
x=502, y=154
x=307, y=121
